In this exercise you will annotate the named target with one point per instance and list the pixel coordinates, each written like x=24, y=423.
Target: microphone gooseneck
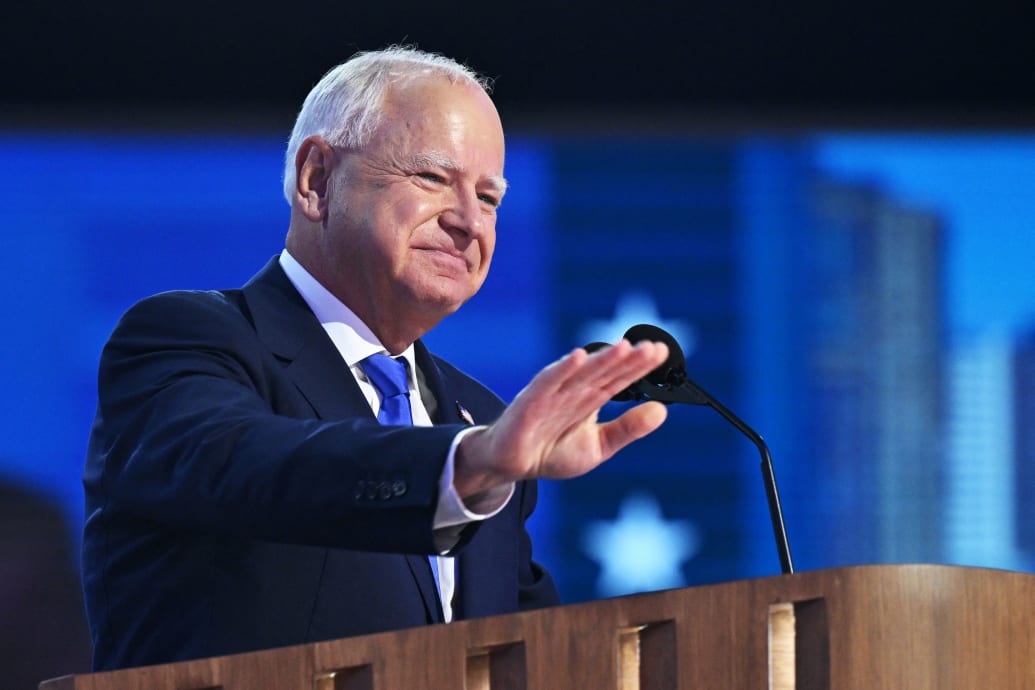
x=669, y=384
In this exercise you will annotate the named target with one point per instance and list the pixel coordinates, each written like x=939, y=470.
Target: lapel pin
x=463, y=414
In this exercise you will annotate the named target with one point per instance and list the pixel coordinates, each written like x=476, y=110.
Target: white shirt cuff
x=452, y=513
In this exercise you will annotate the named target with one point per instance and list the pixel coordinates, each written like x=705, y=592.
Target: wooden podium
x=900, y=627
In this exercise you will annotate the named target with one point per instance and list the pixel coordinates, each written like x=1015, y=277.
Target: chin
x=441, y=303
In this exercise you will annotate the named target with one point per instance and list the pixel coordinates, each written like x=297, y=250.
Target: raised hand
x=551, y=431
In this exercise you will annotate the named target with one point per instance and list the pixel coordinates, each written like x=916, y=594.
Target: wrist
x=473, y=472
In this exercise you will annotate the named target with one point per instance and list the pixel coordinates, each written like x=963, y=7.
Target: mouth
x=448, y=258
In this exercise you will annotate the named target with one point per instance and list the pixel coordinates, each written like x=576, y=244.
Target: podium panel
x=899, y=627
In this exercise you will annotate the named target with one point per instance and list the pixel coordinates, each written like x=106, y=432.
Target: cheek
x=488, y=246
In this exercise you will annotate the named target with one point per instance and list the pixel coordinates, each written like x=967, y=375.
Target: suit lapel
x=438, y=394
x=421, y=569
x=284, y=322
x=435, y=394
x=469, y=590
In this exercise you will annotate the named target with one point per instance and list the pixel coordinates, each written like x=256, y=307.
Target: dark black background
x=740, y=55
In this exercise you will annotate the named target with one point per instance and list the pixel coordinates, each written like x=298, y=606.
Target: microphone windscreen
x=593, y=347
x=676, y=362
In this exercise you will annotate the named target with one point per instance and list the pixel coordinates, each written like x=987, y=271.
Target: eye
x=489, y=199
x=432, y=177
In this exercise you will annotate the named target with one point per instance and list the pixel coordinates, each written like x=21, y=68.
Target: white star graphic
x=635, y=307
x=640, y=551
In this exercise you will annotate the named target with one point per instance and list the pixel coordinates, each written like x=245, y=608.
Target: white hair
x=346, y=105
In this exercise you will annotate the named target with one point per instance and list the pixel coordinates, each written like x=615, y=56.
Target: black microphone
x=669, y=384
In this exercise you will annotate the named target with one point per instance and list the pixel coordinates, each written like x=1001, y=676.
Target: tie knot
x=387, y=374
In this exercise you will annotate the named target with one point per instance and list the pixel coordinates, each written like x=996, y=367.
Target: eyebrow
x=441, y=160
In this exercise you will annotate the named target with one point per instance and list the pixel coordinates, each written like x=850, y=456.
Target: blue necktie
x=389, y=378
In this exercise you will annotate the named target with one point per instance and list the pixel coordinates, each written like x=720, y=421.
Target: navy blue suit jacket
x=241, y=495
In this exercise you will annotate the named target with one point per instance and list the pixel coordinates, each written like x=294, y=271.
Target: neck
x=395, y=328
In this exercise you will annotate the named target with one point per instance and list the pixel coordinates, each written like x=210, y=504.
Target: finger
x=622, y=365
x=578, y=384
x=602, y=367
x=579, y=369
x=556, y=374
x=633, y=424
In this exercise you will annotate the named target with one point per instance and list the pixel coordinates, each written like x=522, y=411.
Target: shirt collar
x=353, y=338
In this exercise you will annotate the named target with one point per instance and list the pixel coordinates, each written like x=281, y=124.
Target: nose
x=465, y=214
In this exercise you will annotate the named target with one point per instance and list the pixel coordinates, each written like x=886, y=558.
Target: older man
x=275, y=464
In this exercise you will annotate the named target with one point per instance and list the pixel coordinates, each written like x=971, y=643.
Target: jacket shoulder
x=186, y=311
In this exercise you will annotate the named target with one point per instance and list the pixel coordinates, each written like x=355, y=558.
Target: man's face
x=411, y=221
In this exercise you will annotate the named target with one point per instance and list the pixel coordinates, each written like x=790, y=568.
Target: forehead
x=432, y=116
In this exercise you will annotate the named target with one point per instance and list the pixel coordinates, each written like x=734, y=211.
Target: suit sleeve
x=199, y=428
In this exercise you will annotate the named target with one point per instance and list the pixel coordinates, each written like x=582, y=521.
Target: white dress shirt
x=355, y=342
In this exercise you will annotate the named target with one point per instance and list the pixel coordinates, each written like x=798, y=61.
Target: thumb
x=631, y=425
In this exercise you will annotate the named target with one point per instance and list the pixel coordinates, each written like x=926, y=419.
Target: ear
x=313, y=164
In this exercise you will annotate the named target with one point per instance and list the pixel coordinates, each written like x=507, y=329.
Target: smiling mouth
x=448, y=257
